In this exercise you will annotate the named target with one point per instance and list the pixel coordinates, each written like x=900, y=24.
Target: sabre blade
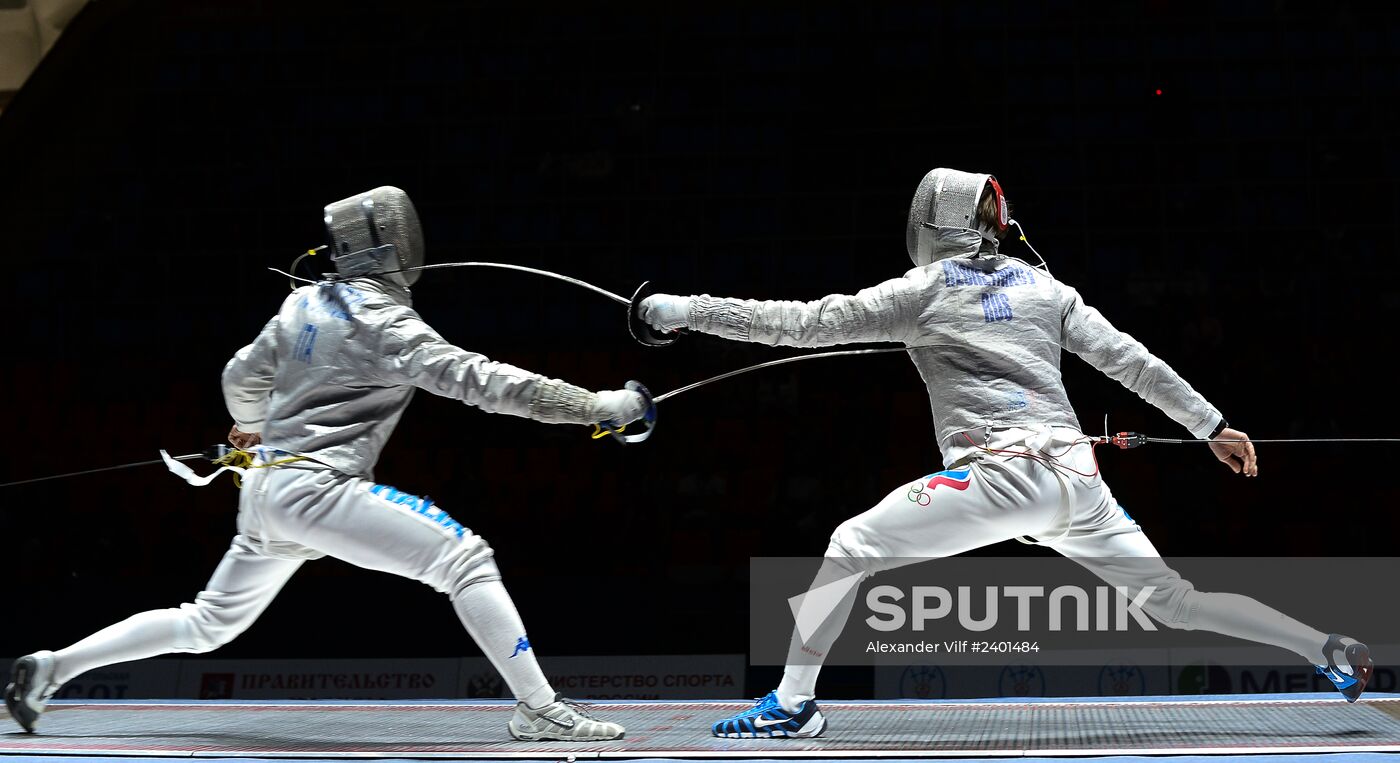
x=536, y=271
x=1170, y=441
x=778, y=362
x=618, y=298
x=101, y=469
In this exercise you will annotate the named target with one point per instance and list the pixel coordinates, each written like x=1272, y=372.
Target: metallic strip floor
x=681, y=730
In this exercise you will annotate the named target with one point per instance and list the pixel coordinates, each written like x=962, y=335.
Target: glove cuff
x=726, y=317
x=558, y=402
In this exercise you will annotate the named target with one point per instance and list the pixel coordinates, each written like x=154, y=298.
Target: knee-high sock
x=143, y=635
x=820, y=619
x=1242, y=617
x=490, y=617
x=1122, y=555
x=242, y=586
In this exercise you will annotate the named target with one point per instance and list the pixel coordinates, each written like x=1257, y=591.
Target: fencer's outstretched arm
x=412, y=353
x=881, y=313
x=1089, y=335
x=248, y=381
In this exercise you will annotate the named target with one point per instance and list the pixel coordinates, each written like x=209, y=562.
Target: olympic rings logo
x=918, y=495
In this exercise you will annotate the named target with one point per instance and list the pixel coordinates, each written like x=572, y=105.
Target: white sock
x=142, y=635
x=799, y=684
x=805, y=656
x=490, y=617
x=1247, y=618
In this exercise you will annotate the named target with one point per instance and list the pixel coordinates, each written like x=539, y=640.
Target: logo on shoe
x=764, y=723
x=564, y=721
x=1342, y=680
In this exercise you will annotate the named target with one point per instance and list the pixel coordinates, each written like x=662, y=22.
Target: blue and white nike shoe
x=1352, y=671
x=768, y=719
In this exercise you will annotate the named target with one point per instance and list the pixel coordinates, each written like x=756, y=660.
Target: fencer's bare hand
x=243, y=440
x=665, y=312
x=1233, y=448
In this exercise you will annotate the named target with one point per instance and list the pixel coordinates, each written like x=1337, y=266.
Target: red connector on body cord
x=1127, y=440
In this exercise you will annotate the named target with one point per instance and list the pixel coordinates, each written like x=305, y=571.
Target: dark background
x=1240, y=223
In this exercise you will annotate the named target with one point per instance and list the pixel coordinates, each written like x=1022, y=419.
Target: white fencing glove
x=617, y=407
x=665, y=312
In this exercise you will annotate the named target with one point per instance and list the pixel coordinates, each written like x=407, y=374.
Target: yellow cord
x=243, y=459
x=599, y=432
x=239, y=458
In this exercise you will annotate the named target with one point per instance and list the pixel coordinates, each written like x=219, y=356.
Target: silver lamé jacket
x=330, y=375
x=985, y=334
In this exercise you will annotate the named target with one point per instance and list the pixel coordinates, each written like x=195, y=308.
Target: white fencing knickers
x=997, y=497
x=290, y=514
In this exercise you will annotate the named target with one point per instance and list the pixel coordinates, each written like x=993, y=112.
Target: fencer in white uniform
x=985, y=332
x=315, y=397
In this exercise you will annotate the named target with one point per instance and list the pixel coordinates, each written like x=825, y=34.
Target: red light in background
x=1159, y=91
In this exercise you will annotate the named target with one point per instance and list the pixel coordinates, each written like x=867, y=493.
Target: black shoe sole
x=1359, y=658
x=21, y=674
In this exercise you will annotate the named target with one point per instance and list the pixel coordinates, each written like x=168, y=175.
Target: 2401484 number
x=1001, y=647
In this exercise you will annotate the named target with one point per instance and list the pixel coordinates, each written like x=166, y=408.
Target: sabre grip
x=216, y=452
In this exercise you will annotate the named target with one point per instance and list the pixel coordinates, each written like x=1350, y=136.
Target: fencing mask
x=376, y=232
x=943, y=217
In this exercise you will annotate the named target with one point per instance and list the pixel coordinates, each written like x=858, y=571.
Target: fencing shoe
x=31, y=687
x=562, y=720
x=1348, y=665
x=767, y=718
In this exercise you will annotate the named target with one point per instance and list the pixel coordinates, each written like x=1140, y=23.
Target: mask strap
x=1002, y=219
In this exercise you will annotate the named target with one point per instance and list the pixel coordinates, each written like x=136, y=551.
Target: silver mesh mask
x=376, y=232
x=943, y=216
